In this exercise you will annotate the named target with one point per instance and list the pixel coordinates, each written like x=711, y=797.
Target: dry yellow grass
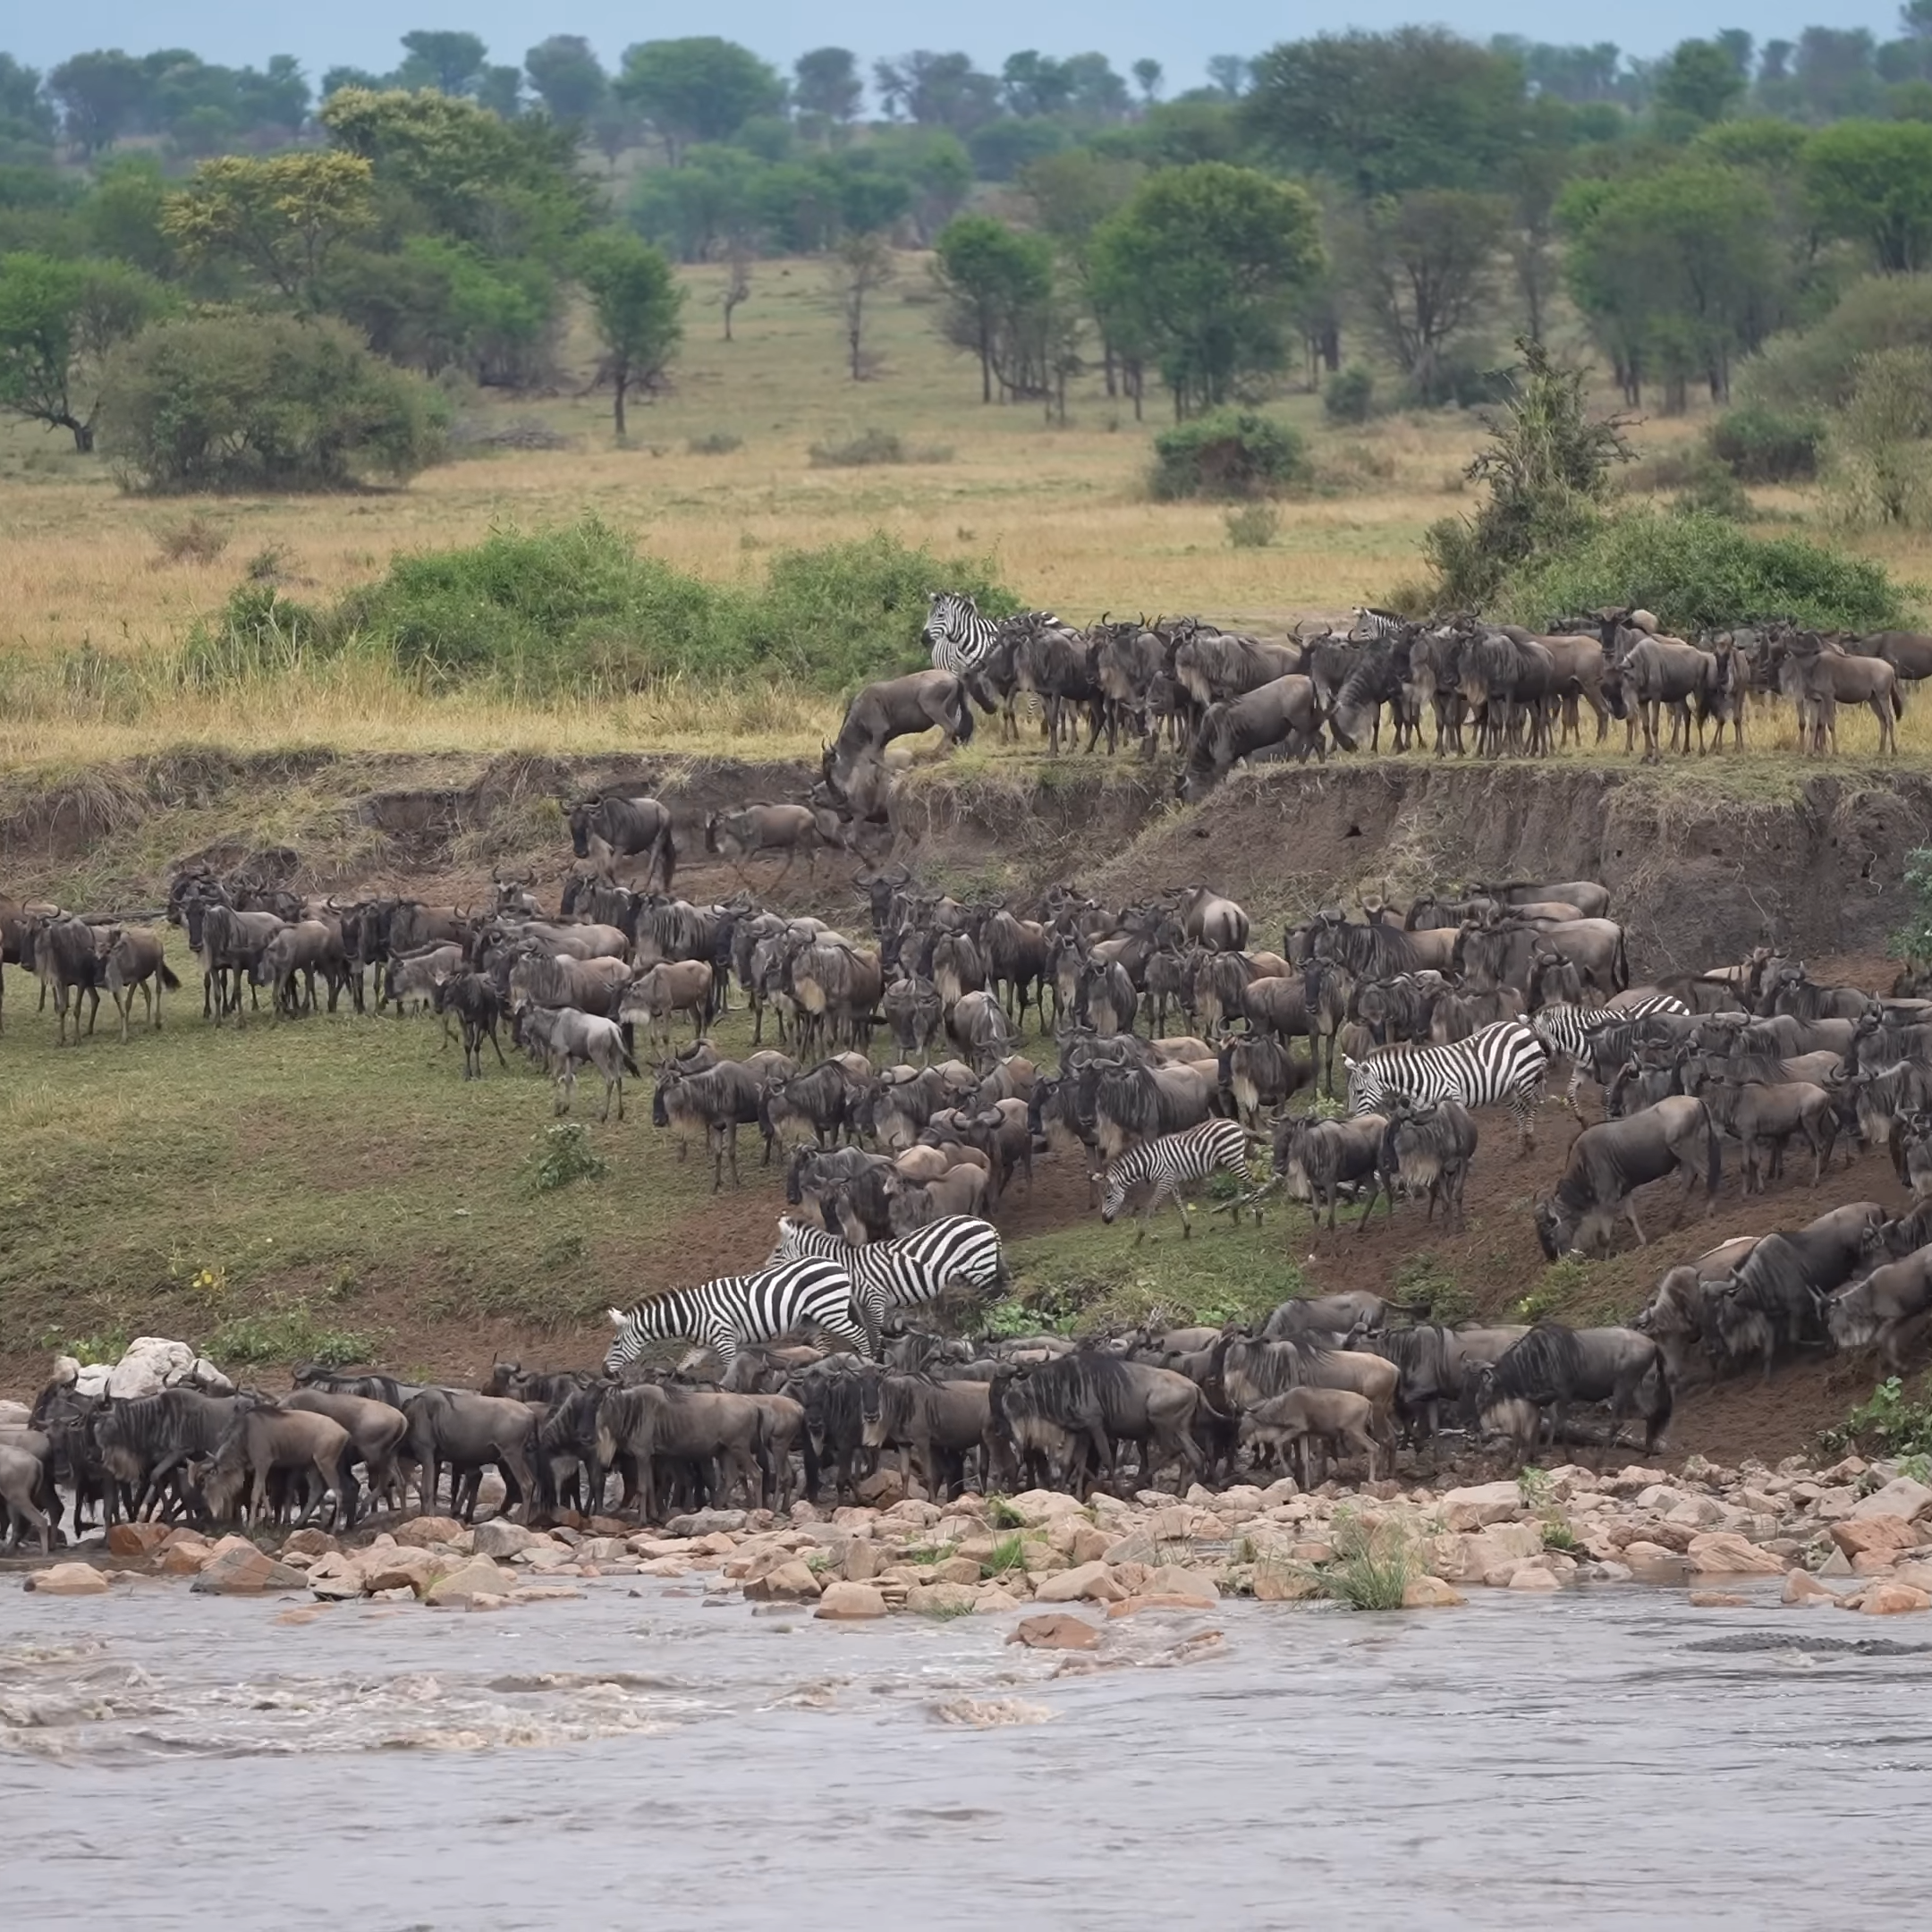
x=1060, y=509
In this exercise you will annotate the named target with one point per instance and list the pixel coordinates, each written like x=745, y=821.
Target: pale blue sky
x=362, y=33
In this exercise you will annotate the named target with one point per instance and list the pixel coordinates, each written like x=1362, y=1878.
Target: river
x=1610, y=1757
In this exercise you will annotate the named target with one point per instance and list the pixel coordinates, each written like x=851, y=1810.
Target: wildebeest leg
x=1629, y=1210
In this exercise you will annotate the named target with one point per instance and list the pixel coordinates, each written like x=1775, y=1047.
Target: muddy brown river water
x=1609, y=1757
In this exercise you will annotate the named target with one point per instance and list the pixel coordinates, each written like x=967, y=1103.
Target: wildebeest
x=134, y=959
x=1284, y=712
x=1298, y=1416
x=67, y=961
x=264, y=1440
x=717, y=1102
x=467, y=1433
x=479, y=1006
x=1776, y=1294
x=791, y=829
x=1317, y=1159
x=1554, y=1366
x=614, y=826
x=1888, y=1311
x=1426, y=1151
x=1097, y=1401
x=564, y=1039
x=660, y=993
x=1681, y=1316
x=895, y=708
x=1761, y=1117
x=304, y=948
x=1609, y=1162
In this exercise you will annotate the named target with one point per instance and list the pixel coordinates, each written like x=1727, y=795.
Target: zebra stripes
x=1170, y=1163
x=1384, y=625
x=958, y=638
x=794, y=1298
x=1505, y=1062
x=1565, y=1031
x=908, y=1271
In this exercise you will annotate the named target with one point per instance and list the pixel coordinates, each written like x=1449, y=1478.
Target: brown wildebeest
x=264, y=1438
x=1298, y=1416
x=67, y=960
x=134, y=957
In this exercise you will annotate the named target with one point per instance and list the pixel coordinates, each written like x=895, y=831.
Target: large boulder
x=501, y=1537
x=152, y=1363
x=435, y=1532
x=1093, y=1582
x=1059, y=1632
x=136, y=1538
x=247, y=1572
x=850, y=1602
x=1427, y=1593
x=1724, y=1553
x=791, y=1581
x=479, y=1577
x=1901, y=1496
x=1860, y=1535
x=1481, y=1505
x=67, y=1579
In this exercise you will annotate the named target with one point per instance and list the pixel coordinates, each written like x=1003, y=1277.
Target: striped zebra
x=1505, y=1062
x=958, y=638
x=907, y=1272
x=1385, y=626
x=1565, y=1031
x=1173, y=1163
x=794, y=1298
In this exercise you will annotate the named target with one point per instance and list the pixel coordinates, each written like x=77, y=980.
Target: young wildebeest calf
x=1295, y=1417
x=565, y=1039
x=133, y=958
x=477, y=1003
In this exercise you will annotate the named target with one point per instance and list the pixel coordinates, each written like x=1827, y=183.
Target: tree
x=1229, y=74
x=1678, y=271
x=1700, y=80
x=1882, y=441
x=250, y=403
x=1835, y=72
x=277, y=219
x=1198, y=274
x=567, y=77
x=858, y=268
x=638, y=307
x=100, y=96
x=1148, y=76
x=1384, y=114
x=996, y=281
x=737, y=289
x=700, y=90
x=937, y=90
x=1421, y=266
x=826, y=81
x=121, y=216
x=26, y=115
x=1871, y=182
x=58, y=320
x=501, y=90
x=451, y=62
x=1071, y=194
x=1033, y=83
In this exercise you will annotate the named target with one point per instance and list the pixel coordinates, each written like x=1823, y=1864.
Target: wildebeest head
x=581, y=816
x=1555, y=1230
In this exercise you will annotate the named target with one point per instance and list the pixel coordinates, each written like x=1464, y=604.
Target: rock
x=1803, y=1588
x=67, y=1579
x=862, y=1562
x=708, y=1523
x=1091, y=1580
x=1173, y=1580
x=1857, y=1536
x=397, y=1568
x=1901, y=1496
x=477, y=1577
x=1425, y=1593
x=309, y=1543
x=956, y=1569
x=1061, y=1632
x=1848, y=1471
x=1724, y=1553
x=1605, y=1572
x=1632, y=1481
x=152, y=1363
x=1477, y=1507
x=435, y=1532
x=336, y=1586
x=246, y=1571
x=1276, y=1582
x=1037, y=1558
x=1918, y=1574
x=914, y=1513
x=1532, y=1576
x=136, y=1538
x=183, y=1557
x=1893, y=1599
x=1037, y=1507
x=850, y=1602
x=500, y=1538
x=882, y=1486
x=1697, y=1513
x=1873, y=1562
x=1135, y=1547
x=990, y=1599
x=1835, y=1565
x=1717, y=1599
x=791, y=1582
x=941, y=1599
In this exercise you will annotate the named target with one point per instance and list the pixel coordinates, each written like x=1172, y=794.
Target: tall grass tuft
x=1373, y=1564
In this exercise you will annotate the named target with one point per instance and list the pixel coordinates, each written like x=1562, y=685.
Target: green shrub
x=580, y=609
x=1252, y=526
x=1349, y=395
x=286, y=1335
x=1760, y=445
x=254, y=403
x=1227, y=453
x=1713, y=491
x=715, y=443
x=1423, y=1285
x=858, y=452
x=565, y=1153
x=1887, y=1422
x=1372, y=1566
x=1698, y=572
x=1816, y=368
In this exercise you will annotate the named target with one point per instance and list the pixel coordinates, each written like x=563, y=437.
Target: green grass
x=1009, y=1553
x=1372, y=1566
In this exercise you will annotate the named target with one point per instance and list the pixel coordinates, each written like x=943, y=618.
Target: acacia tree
x=858, y=266
x=58, y=320
x=703, y=88
x=1871, y=182
x=638, y=309
x=1422, y=268
x=279, y=219
x=1199, y=274
x=568, y=77
x=995, y=279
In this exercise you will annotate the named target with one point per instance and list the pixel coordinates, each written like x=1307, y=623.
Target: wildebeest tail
x=1898, y=695
x=1713, y=1158
x=965, y=706
x=1620, y=970
x=665, y=852
x=629, y=1064
x=168, y=979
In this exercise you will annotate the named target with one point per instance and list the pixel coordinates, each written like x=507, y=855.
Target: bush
x=1698, y=572
x=254, y=403
x=1350, y=395
x=1760, y=445
x=1816, y=368
x=1881, y=443
x=1227, y=454
x=1253, y=526
x=565, y=1153
x=857, y=453
x=1711, y=490
x=715, y=443
x=579, y=609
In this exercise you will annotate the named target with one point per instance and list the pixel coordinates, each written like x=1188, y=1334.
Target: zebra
x=1505, y=1062
x=1380, y=626
x=794, y=1297
x=958, y=638
x=1565, y=1031
x=1173, y=1163
x=908, y=1271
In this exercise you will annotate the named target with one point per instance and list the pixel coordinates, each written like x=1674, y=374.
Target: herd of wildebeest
x=1219, y=698
x=1346, y=1067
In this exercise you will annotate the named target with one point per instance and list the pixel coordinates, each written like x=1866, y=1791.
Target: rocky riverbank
x=1856, y=1534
